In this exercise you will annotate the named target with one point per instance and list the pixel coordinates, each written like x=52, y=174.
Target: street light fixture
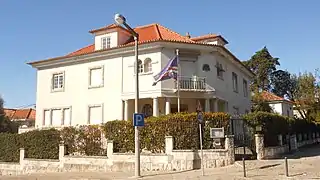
x=121, y=20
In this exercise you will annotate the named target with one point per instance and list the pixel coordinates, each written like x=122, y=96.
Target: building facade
x=96, y=84
x=278, y=104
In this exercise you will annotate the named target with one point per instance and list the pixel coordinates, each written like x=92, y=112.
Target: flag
x=170, y=71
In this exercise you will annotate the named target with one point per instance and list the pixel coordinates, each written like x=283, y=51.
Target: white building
x=279, y=105
x=96, y=84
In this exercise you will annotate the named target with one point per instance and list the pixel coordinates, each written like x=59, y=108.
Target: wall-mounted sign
x=216, y=133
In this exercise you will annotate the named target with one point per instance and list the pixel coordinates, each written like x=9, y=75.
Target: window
x=245, y=88
x=235, y=82
x=95, y=114
x=58, y=81
x=147, y=65
x=206, y=68
x=66, y=116
x=96, y=77
x=147, y=110
x=47, y=117
x=108, y=42
x=56, y=117
x=220, y=70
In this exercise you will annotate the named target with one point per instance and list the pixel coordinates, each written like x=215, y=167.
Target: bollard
x=244, y=168
x=286, y=166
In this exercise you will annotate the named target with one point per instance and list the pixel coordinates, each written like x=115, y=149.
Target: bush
x=85, y=140
x=43, y=144
x=182, y=126
x=9, y=147
x=272, y=125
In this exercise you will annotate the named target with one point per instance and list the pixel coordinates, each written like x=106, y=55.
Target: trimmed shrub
x=84, y=140
x=184, y=127
x=43, y=144
x=9, y=147
x=272, y=125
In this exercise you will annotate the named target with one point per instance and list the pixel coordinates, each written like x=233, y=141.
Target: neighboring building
x=96, y=83
x=278, y=104
x=23, y=116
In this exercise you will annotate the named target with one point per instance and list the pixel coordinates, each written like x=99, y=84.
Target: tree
x=5, y=124
x=283, y=83
x=306, y=96
x=263, y=64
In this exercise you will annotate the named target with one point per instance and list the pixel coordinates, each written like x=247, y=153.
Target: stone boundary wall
x=275, y=151
x=171, y=160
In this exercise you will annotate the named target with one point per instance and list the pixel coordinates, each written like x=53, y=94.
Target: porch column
x=168, y=106
x=155, y=107
x=207, y=105
x=126, y=110
x=215, y=102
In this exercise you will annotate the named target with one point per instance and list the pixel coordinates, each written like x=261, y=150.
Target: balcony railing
x=192, y=83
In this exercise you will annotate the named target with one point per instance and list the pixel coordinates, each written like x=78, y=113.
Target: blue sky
x=38, y=29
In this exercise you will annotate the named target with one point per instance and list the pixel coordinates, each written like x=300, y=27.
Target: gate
x=244, y=142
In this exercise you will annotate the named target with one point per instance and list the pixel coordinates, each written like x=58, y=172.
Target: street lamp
x=121, y=20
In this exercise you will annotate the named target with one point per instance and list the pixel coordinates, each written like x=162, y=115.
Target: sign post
x=200, y=119
x=138, y=121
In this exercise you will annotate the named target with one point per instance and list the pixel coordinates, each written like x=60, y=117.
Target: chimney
x=188, y=35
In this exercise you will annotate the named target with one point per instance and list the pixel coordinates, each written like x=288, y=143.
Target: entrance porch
x=165, y=105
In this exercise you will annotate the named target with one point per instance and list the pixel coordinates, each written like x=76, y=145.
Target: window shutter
x=67, y=116
x=56, y=117
x=47, y=117
x=95, y=115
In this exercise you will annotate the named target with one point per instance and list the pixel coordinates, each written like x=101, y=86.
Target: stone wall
x=171, y=160
x=295, y=143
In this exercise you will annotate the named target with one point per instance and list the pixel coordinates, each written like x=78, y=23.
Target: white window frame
x=103, y=42
x=61, y=115
x=108, y=42
x=44, y=117
x=245, y=88
x=93, y=106
x=235, y=82
x=57, y=74
x=89, y=77
x=147, y=65
x=141, y=67
x=62, y=121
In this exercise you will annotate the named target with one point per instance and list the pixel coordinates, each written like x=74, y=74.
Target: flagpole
x=178, y=79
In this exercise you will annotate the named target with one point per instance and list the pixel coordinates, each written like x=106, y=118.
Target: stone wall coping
x=50, y=160
x=141, y=154
x=10, y=163
x=229, y=136
x=92, y=157
x=204, y=150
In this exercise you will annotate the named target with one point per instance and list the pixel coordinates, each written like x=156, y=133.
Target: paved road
x=304, y=164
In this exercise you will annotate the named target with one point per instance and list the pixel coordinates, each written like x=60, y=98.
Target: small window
x=95, y=115
x=245, y=88
x=46, y=117
x=66, y=116
x=235, y=82
x=220, y=70
x=56, y=117
x=147, y=110
x=147, y=65
x=103, y=43
x=96, y=77
x=108, y=42
x=206, y=68
x=58, y=81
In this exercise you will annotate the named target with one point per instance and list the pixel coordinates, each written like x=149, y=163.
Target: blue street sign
x=138, y=119
x=200, y=117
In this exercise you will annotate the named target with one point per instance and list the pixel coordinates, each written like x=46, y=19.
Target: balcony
x=192, y=83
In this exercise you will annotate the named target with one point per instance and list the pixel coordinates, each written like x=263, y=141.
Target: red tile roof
x=84, y=50
x=268, y=96
x=208, y=36
x=20, y=114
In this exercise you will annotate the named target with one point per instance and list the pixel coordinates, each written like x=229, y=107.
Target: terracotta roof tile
x=20, y=114
x=208, y=36
x=268, y=96
x=84, y=50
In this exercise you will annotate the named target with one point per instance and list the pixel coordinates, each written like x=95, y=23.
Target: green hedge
x=85, y=140
x=182, y=126
x=38, y=144
x=274, y=124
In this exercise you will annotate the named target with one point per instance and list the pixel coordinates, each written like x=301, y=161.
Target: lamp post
x=121, y=20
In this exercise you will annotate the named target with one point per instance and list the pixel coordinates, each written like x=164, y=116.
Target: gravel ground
x=304, y=164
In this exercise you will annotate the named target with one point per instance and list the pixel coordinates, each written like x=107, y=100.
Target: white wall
x=282, y=108
x=113, y=39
